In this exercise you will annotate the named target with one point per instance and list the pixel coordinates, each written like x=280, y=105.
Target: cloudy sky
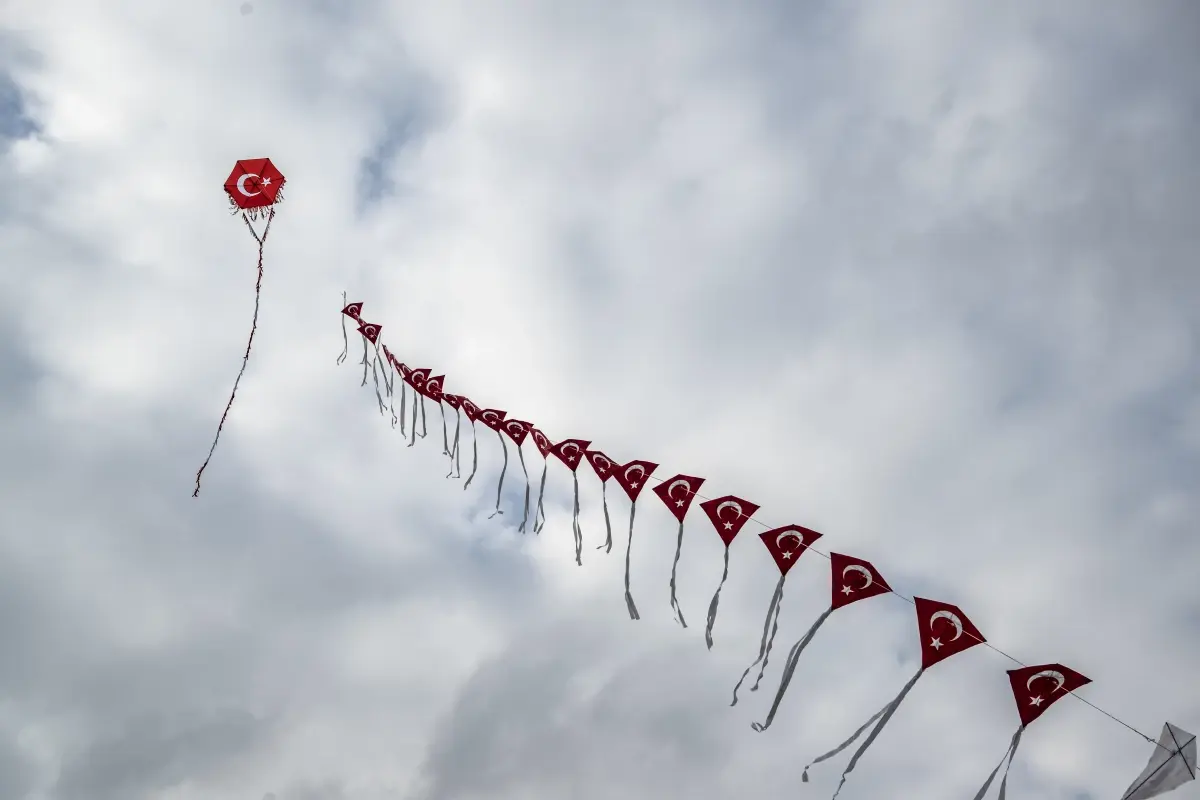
x=920, y=275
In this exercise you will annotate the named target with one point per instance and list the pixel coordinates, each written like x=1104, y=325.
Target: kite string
x=249, y=342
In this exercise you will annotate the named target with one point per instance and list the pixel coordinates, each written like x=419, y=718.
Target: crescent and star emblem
x=950, y=617
x=1052, y=674
x=857, y=569
x=241, y=184
x=603, y=463
x=571, y=451
x=687, y=487
x=737, y=510
x=787, y=554
x=641, y=472
x=494, y=417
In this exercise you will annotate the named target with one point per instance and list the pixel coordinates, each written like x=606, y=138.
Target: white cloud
x=918, y=277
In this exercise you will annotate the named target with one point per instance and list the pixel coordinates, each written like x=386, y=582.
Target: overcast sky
x=919, y=275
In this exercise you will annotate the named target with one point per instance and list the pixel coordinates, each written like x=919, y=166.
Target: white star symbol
x=633, y=485
x=936, y=644
x=679, y=504
x=265, y=182
x=1035, y=701
x=787, y=554
x=570, y=458
x=728, y=526
x=846, y=590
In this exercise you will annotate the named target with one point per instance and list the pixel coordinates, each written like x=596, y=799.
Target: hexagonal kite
x=254, y=187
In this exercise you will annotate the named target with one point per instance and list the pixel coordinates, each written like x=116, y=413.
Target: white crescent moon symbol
x=484, y=416
x=950, y=617
x=513, y=426
x=434, y=385
x=789, y=535
x=604, y=463
x=540, y=438
x=241, y=185
x=638, y=468
x=671, y=489
x=861, y=570
x=570, y=447
x=730, y=504
x=1053, y=675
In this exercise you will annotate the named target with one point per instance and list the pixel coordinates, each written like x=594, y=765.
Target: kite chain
x=907, y=599
x=965, y=633
x=253, y=327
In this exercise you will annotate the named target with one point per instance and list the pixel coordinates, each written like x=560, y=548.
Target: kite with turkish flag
x=571, y=453
x=728, y=515
x=254, y=187
x=1034, y=689
x=677, y=494
x=944, y=631
x=632, y=477
x=852, y=580
x=517, y=430
x=785, y=545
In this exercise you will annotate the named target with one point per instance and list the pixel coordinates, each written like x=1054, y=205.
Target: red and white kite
x=677, y=494
x=728, y=514
x=785, y=545
x=254, y=187
x=852, y=580
x=632, y=477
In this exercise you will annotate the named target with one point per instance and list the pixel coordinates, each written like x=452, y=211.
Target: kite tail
x=390, y=387
x=445, y=435
x=403, y=403
x=454, y=454
x=249, y=342
x=789, y=667
x=345, y=341
x=885, y=714
x=633, y=612
x=712, y=607
x=474, y=456
x=541, y=511
x=770, y=639
x=413, y=439
x=607, y=522
x=524, y=519
x=674, y=566
x=1009, y=754
x=366, y=362
x=500, y=483
x=424, y=427
x=578, y=531
x=375, y=373
x=768, y=635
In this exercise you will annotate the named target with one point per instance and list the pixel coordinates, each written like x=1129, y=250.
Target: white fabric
x=1172, y=764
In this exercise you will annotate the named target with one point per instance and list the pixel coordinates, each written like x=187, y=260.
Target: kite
x=728, y=515
x=677, y=494
x=1171, y=765
x=953, y=635
x=416, y=379
x=352, y=311
x=517, y=430
x=1034, y=689
x=542, y=442
x=853, y=580
x=570, y=452
x=493, y=418
x=254, y=187
x=472, y=411
x=632, y=477
x=455, y=402
x=785, y=545
x=602, y=465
